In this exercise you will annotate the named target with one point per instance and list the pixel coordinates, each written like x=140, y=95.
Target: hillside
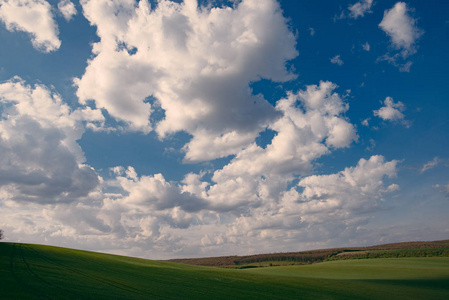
x=393, y=250
x=44, y=272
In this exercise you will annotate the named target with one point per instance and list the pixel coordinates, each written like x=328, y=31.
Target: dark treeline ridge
x=406, y=249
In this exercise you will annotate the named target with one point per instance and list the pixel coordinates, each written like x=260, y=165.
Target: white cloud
x=40, y=158
x=309, y=117
x=196, y=62
x=155, y=193
x=197, y=65
x=34, y=17
x=328, y=205
x=67, y=9
x=311, y=31
x=391, y=111
x=354, y=189
x=146, y=212
x=199, y=74
x=395, y=60
x=50, y=195
x=149, y=212
x=366, y=47
x=405, y=67
x=356, y=10
x=360, y=8
x=431, y=164
x=393, y=188
x=401, y=28
x=312, y=125
x=337, y=60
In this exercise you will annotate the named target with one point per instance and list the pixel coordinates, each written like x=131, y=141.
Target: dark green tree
x=1, y=234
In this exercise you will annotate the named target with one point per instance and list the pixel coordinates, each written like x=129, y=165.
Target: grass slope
x=44, y=272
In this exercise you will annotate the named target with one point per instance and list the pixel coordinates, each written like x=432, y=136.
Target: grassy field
x=394, y=250
x=44, y=272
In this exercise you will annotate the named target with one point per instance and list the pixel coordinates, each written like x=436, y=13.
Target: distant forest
x=395, y=250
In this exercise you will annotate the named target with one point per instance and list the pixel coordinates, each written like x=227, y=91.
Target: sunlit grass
x=35, y=271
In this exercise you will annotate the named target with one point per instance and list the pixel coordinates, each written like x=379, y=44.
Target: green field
x=44, y=272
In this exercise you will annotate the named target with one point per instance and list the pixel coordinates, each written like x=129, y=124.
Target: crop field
x=395, y=250
x=45, y=272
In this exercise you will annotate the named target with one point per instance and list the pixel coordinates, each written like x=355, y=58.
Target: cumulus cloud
x=146, y=206
x=143, y=212
x=40, y=159
x=34, y=17
x=352, y=188
x=195, y=63
x=392, y=111
x=67, y=9
x=149, y=212
x=329, y=205
x=403, y=32
x=155, y=193
x=49, y=194
x=356, y=10
x=360, y=8
x=401, y=28
x=312, y=125
x=310, y=117
x=337, y=60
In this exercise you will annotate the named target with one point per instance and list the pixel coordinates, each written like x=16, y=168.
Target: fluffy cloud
x=196, y=63
x=392, y=111
x=337, y=60
x=356, y=10
x=360, y=8
x=311, y=126
x=34, y=17
x=143, y=212
x=329, y=205
x=67, y=9
x=40, y=160
x=401, y=28
x=149, y=212
x=155, y=193
x=354, y=189
x=310, y=117
x=49, y=194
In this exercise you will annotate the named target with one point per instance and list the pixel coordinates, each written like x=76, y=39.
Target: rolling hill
x=44, y=272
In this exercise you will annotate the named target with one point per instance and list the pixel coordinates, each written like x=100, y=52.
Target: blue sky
x=169, y=129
